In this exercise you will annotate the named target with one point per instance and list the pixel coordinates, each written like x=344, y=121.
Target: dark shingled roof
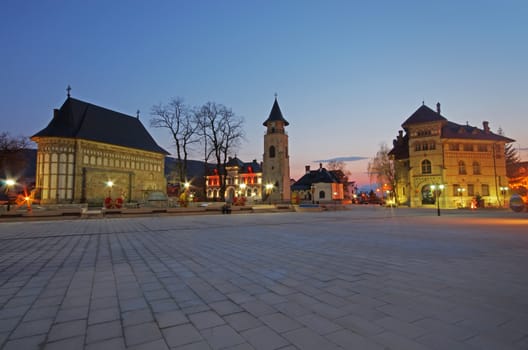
x=456, y=131
x=275, y=115
x=313, y=177
x=82, y=120
x=423, y=114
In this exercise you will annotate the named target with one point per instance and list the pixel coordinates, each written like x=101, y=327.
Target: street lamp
x=269, y=188
x=460, y=191
x=503, y=190
x=437, y=190
x=313, y=193
x=9, y=184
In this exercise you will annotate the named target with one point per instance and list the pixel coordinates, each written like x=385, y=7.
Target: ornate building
x=276, y=160
x=467, y=162
x=242, y=180
x=87, y=153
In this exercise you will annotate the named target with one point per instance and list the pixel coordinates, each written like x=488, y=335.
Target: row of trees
x=212, y=127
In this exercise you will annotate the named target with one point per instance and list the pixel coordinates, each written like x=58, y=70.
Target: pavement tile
x=318, y=323
x=28, y=343
x=159, y=344
x=108, y=344
x=258, y=308
x=181, y=335
x=399, y=342
x=103, y=331
x=206, y=319
x=280, y=322
x=31, y=328
x=134, y=317
x=222, y=337
x=225, y=307
x=264, y=338
x=65, y=344
x=67, y=330
x=71, y=314
x=103, y=315
x=305, y=338
x=242, y=321
x=171, y=318
x=141, y=333
x=350, y=340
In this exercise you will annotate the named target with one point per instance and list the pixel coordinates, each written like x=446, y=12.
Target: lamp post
x=10, y=183
x=460, y=191
x=437, y=190
x=269, y=188
x=313, y=193
x=503, y=190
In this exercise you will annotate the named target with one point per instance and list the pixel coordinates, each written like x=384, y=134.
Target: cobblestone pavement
x=368, y=278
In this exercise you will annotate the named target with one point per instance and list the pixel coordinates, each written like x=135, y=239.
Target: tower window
x=426, y=166
x=272, y=152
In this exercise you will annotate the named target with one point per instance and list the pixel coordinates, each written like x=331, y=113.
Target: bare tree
x=12, y=159
x=381, y=167
x=179, y=120
x=222, y=132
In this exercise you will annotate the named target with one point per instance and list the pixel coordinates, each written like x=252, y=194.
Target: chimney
x=320, y=166
x=400, y=135
x=438, y=108
x=307, y=169
x=56, y=113
x=485, y=126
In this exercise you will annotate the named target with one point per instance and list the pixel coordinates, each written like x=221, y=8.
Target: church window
x=417, y=146
x=453, y=147
x=426, y=166
x=321, y=194
x=461, y=168
x=468, y=147
x=272, y=152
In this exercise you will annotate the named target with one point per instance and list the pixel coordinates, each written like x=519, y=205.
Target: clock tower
x=276, y=160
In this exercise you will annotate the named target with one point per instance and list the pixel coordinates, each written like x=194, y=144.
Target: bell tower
x=276, y=160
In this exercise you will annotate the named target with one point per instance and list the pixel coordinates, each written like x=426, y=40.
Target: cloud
x=341, y=159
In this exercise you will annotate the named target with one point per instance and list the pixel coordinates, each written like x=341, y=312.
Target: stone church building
x=87, y=153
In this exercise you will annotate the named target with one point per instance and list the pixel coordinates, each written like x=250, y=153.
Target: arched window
x=426, y=166
x=321, y=194
x=461, y=167
x=476, y=168
x=272, y=151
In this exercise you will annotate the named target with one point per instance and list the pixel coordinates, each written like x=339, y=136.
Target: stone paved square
x=366, y=278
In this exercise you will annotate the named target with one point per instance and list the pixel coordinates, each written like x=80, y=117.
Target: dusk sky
x=347, y=73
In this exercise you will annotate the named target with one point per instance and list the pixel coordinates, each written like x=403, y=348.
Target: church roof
x=275, y=115
x=423, y=114
x=82, y=120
